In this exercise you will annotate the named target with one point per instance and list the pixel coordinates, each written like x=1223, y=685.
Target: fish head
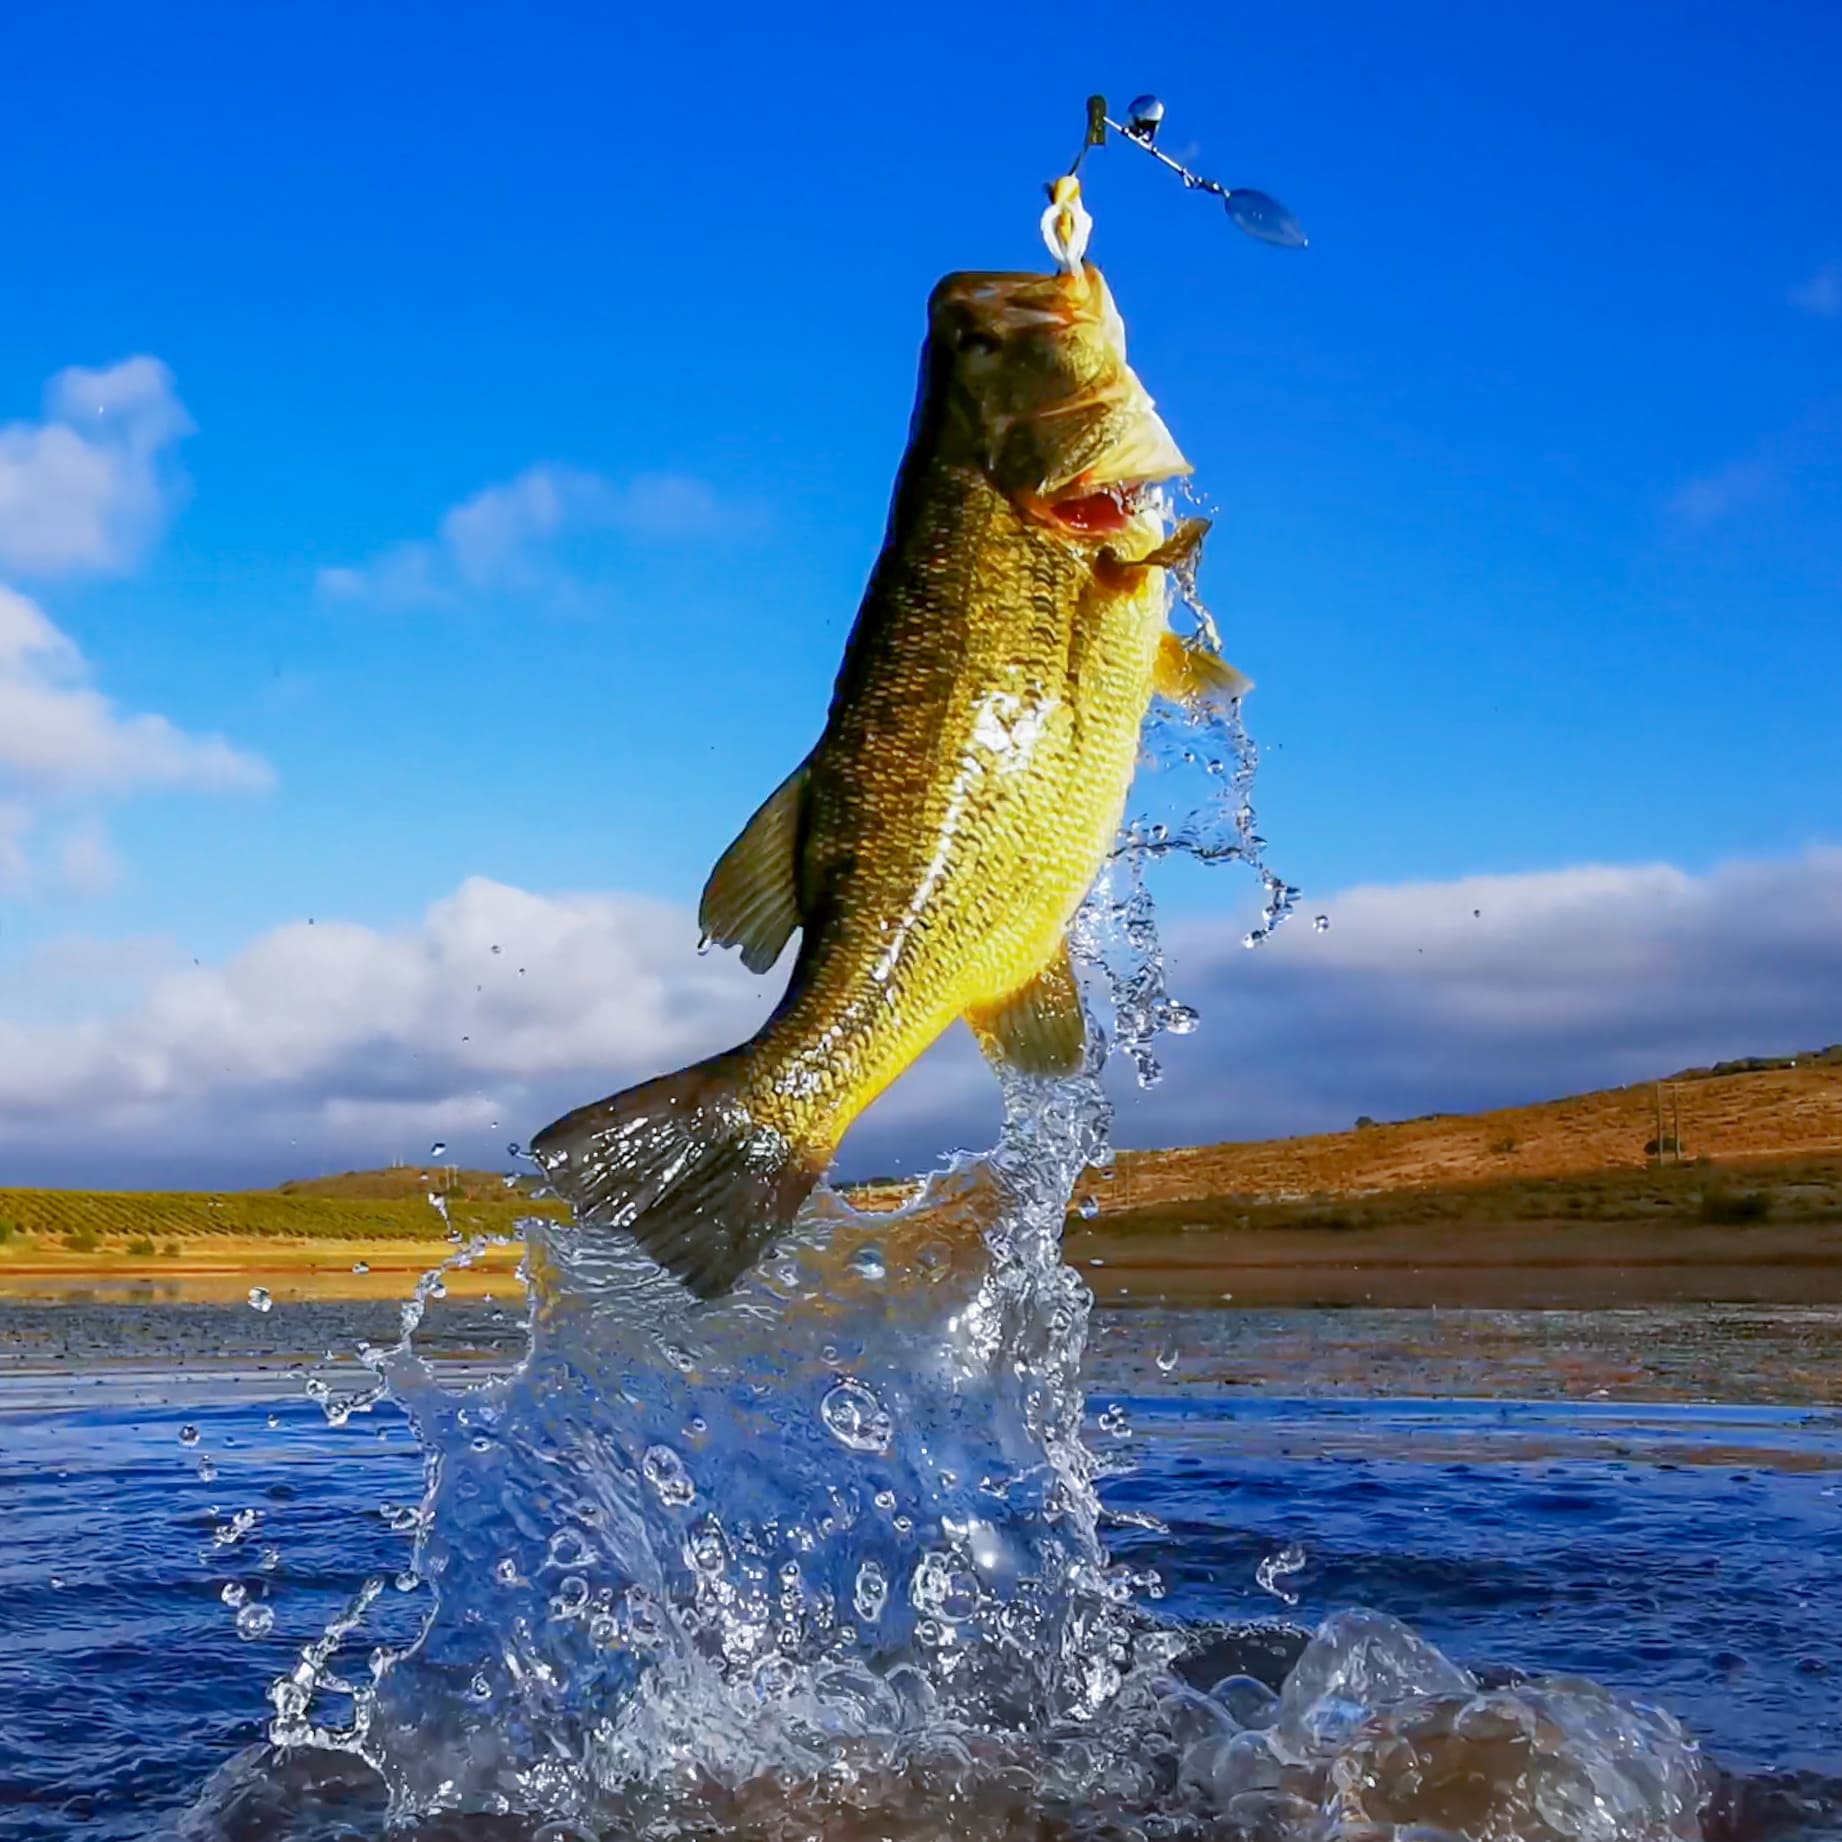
x=1025, y=377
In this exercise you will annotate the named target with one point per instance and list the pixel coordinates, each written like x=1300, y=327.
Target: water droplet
x=505, y=1571
x=438, y=1150
x=234, y=1593
x=480, y=1688
x=269, y=1559
x=57, y=1582
x=856, y=1418
x=188, y=1435
x=871, y=1592
x=361, y=1267
x=255, y=1621
x=1321, y=925
x=1167, y=1359
x=207, y=1471
x=1181, y=1019
x=1088, y=1207
x=869, y=1264
x=664, y=1470
x=1115, y=1422
x=259, y=1299
x=1277, y=1567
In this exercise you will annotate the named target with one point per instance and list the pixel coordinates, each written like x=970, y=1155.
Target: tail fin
x=680, y=1164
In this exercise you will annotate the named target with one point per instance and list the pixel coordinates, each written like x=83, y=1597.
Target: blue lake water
x=1686, y=1553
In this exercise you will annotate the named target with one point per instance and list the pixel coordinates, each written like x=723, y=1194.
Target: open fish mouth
x=1087, y=510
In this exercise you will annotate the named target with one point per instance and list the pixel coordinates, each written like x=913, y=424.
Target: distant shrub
x=1732, y=1208
x=170, y=1251
x=83, y=1240
x=1363, y=1122
x=1505, y=1146
x=7, y=1231
x=140, y=1246
x=1668, y=1146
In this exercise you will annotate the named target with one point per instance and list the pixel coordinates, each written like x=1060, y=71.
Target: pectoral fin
x=1177, y=549
x=751, y=899
x=1188, y=675
x=1040, y=1028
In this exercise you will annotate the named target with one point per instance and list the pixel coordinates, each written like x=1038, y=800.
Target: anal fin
x=1040, y=1028
x=752, y=898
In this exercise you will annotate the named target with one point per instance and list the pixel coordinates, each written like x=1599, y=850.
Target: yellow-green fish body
x=933, y=847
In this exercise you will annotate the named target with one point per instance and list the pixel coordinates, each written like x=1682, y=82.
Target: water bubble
x=255, y=1621
x=570, y=1550
x=269, y=1559
x=1088, y=1207
x=868, y=1263
x=706, y=1549
x=1321, y=925
x=856, y=1418
x=1115, y=1422
x=870, y=1593
x=664, y=1470
x=1278, y=1567
x=480, y=1688
x=188, y=1435
x=1181, y=1019
x=942, y=1589
x=259, y=1299
x=1167, y=1359
x=234, y=1593
x=207, y=1471
x=505, y=1570
x=361, y=1267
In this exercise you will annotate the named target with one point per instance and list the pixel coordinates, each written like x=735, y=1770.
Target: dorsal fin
x=752, y=898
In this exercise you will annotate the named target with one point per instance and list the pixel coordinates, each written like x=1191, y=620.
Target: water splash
x=824, y=1557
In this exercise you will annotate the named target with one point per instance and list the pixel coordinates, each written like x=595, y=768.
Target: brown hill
x=1769, y=1113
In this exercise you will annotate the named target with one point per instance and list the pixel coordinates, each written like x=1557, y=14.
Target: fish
x=934, y=845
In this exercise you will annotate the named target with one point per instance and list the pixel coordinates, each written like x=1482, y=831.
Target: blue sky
x=1529, y=471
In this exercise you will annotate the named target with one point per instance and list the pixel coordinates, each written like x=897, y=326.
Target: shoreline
x=1566, y=1264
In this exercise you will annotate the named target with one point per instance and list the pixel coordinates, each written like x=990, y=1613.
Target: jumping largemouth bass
x=933, y=847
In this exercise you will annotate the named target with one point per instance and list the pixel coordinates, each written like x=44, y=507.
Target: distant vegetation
x=346, y=1208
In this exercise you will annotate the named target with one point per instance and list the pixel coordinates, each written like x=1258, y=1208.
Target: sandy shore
x=225, y=1267
x=1576, y=1264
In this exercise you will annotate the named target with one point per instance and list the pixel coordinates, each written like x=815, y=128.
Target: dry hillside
x=1757, y=1114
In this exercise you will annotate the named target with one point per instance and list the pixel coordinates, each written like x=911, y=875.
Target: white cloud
x=1495, y=990
x=332, y=1045
x=1821, y=295
x=504, y=539
x=60, y=735
x=92, y=486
